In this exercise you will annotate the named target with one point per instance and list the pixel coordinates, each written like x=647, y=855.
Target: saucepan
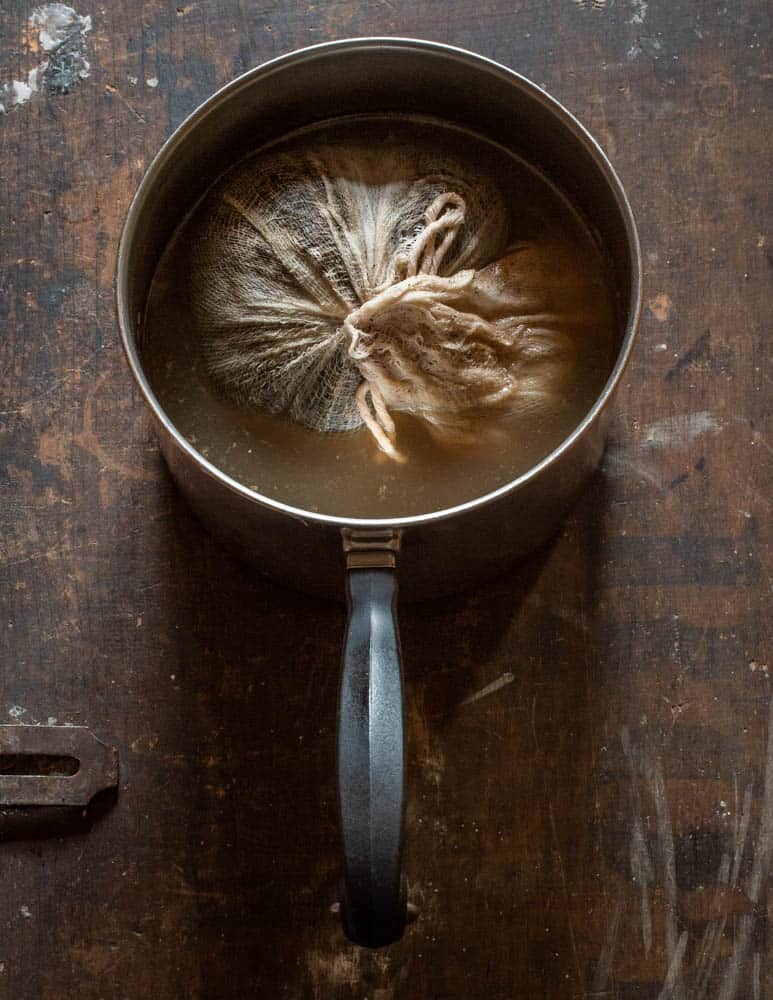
x=359, y=559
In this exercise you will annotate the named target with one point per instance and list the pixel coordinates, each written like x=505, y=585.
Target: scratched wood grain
x=590, y=808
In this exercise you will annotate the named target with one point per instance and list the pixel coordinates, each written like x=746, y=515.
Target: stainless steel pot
x=434, y=552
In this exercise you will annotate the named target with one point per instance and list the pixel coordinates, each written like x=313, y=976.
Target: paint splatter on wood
x=680, y=430
x=57, y=34
x=660, y=307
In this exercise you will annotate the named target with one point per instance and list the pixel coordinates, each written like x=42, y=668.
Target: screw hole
x=38, y=765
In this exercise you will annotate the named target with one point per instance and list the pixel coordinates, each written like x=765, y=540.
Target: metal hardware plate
x=28, y=750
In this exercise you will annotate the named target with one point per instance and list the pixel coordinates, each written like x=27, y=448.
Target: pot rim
x=265, y=70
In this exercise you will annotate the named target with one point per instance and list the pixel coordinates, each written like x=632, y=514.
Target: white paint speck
x=16, y=711
x=51, y=720
x=26, y=912
x=152, y=81
x=133, y=80
x=20, y=92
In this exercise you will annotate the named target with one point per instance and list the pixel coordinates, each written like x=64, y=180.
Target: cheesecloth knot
x=443, y=219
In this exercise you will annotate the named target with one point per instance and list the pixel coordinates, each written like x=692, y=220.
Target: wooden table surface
x=590, y=804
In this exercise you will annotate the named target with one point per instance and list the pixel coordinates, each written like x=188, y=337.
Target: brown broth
x=344, y=474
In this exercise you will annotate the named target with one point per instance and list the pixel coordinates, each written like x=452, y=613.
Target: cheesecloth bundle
x=339, y=282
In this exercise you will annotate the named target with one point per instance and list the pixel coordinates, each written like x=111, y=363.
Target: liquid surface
x=344, y=474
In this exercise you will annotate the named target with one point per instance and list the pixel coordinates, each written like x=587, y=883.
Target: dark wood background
x=590, y=810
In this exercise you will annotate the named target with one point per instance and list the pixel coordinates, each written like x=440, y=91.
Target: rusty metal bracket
x=54, y=766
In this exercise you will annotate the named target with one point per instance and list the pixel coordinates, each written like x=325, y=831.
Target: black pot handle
x=370, y=746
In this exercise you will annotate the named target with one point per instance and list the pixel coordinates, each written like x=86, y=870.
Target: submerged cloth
x=341, y=285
